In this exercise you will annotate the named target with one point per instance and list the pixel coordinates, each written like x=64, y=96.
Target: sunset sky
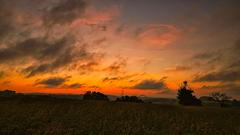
x=141, y=47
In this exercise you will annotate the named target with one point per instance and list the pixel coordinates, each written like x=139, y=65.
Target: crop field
x=77, y=117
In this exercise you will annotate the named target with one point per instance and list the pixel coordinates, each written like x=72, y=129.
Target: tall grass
x=74, y=117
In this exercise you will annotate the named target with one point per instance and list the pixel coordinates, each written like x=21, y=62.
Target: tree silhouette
x=221, y=98
x=94, y=96
x=235, y=103
x=133, y=99
x=7, y=93
x=185, y=95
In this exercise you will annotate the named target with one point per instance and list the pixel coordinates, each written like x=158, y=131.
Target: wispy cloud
x=150, y=85
x=73, y=86
x=177, y=69
x=117, y=67
x=228, y=70
x=160, y=34
x=52, y=82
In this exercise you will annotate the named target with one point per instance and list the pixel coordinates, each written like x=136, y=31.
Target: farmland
x=49, y=116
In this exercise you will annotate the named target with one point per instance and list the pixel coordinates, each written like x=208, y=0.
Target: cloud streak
x=150, y=85
x=52, y=82
x=177, y=69
x=224, y=76
x=228, y=60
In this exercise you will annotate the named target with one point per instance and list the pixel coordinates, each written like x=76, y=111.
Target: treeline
x=184, y=97
x=89, y=95
x=92, y=95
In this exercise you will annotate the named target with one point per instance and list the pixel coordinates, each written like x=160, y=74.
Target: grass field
x=76, y=117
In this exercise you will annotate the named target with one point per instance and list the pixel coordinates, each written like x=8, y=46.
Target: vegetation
x=220, y=98
x=185, y=96
x=50, y=116
x=133, y=99
x=7, y=93
x=94, y=96
x=54, y=115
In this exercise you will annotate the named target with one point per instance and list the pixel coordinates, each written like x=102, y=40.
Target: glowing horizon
x=144, y=47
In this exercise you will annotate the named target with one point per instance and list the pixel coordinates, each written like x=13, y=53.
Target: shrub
x=133, y=99
x=185, y=96
x=220, y=98
x=94, y=96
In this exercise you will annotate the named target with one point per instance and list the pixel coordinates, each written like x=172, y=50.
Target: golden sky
x=140, y=47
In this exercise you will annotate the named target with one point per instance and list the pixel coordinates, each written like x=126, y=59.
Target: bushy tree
x=89, y=95
x=133, y=99
x=220, y=98
x=7, y=93
x=235, y=103
x=185, y=96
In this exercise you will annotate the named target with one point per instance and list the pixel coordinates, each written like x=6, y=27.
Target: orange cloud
x=159, y=34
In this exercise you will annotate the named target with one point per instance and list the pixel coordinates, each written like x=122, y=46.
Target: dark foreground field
x=75, y=117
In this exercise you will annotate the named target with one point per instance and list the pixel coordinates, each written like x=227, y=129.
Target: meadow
x=43, y=116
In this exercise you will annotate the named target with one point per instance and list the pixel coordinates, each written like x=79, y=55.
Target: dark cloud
x=18, y=18
x=90, y=65
x=63, y=60
x=110, y=79
x=6, y=19
x=224, y=76
x=227, y=61
x=150, y=85
x=52, y=82
x=122, y=77
x=117, y=66
x=209, y=57
x=232, y=89
x=48, y=55
x=73, y=86
x=64, y=12
x=37, y=48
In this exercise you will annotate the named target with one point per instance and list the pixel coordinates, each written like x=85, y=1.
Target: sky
x=132, y=47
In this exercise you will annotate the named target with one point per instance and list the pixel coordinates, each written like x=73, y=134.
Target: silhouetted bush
x=133, y=99
x=94, y=96
x=221, y=98
x=7, y=93
x=185, y=96
x=235, y=103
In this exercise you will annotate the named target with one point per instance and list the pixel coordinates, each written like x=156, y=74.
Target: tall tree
x=185, y=95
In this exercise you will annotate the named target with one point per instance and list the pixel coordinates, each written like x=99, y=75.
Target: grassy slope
x=56, y=117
